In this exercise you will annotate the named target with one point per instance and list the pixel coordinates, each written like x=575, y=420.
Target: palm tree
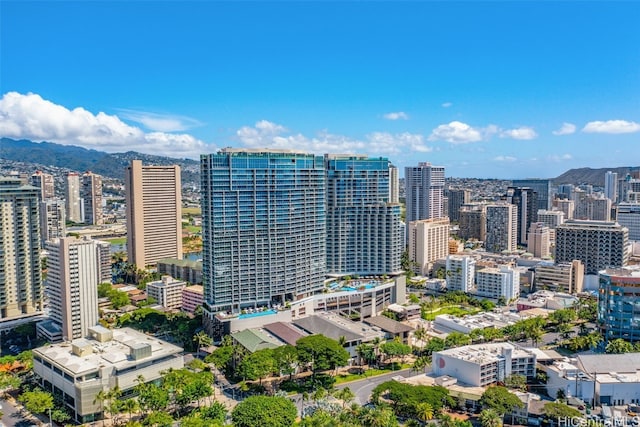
x=446, y=420
x=490, y=418
x=101, y=397
x=420, y=334
x=203, y=339
x=130, y=406
x=424, y=411
x=346, y=395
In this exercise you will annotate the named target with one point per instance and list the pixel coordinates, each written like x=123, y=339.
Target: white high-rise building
x=428, y=242
x=75, y=270
x=52, y=219
x=498, y=282
x=72, y=197
x=424, y=192
x=598, y=244
x=551, y=219
x=502, y=228
x=611, y=186
x=460, y=273
x=394, y=185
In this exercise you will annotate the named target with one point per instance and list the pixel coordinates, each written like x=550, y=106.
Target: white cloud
x=611, y=126
x=399, y=115
x=160, y=122
x=265, y=134
x=523, y=133
x=565, y=129
x=447, y=104
x=31, y=117
x=559, y=157
x=456, y=133
x=505, y=159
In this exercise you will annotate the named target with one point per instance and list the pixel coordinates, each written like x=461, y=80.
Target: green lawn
x=116, y=241
x=192, y=229
x=454, y=310
x=192, y=211
x=372, y=372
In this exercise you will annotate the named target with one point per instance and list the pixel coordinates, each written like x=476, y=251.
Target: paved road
x=12, y=415
x=362, y=388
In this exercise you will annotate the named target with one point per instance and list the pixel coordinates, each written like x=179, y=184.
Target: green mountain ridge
x=80, y=159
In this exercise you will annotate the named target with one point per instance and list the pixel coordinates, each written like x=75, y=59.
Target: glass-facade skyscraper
x=263, y=227
x=364, y=230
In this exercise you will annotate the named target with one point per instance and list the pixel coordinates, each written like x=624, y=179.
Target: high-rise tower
x=21, y=292
x=502, y=228
x=263, y=226
x=154, y=213
x=91, y=195
x=424, y=189
x=44, y=182
x=527, y=202
x=611, y=186
x=364, y=231
x=75, y=270
x=542, y=187
x=72, y=197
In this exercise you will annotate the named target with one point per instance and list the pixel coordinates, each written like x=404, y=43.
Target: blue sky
x=505, y=89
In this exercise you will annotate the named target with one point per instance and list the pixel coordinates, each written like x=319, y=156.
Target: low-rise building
x=503, y=282
x=546, y=299
x=105, y=360
x=484, y=364
x=448, y=323
x=598, y=379
x=167, y=292
x=564, y=277
x=192, y=298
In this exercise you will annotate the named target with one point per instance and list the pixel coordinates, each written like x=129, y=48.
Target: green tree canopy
x=321, y=352
x=257, y=365
x=264, y=411
x=619, y=346
x=557, y=410
x=500, y=399
x=37, y=401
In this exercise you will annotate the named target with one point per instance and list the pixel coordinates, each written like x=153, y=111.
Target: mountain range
x=112, y=165
x=80, y=159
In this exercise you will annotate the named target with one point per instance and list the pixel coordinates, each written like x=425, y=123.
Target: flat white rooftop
x=481, y=354
x=115, y=352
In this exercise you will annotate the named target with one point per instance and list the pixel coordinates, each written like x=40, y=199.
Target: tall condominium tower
x=428, y=242
x=539, y=241
x=424, y=191
x=619, y=295
x=568, y=207
x=456, y=198
x=20, y=279
x=598, y=244
x=154, y=213
x=364, y=231
x=527, y=202
x=75, y=270
x=629, y=217
x=502, y=228
x=473, y=221
x=72, y=197
x=45, y=183
x=611, y=186
x=263, y=227
x=91, y=195
x=52, y=219
x=394, y=185
x=542, y=187
x=460, y=273
x=596, y=208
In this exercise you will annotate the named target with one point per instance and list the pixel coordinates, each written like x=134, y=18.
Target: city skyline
x=490, y=90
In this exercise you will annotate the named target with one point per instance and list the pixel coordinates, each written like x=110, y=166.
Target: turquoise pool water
x=257, y=314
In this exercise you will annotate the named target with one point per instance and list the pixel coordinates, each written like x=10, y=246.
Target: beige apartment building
x=428, y=242
x=154, y=213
